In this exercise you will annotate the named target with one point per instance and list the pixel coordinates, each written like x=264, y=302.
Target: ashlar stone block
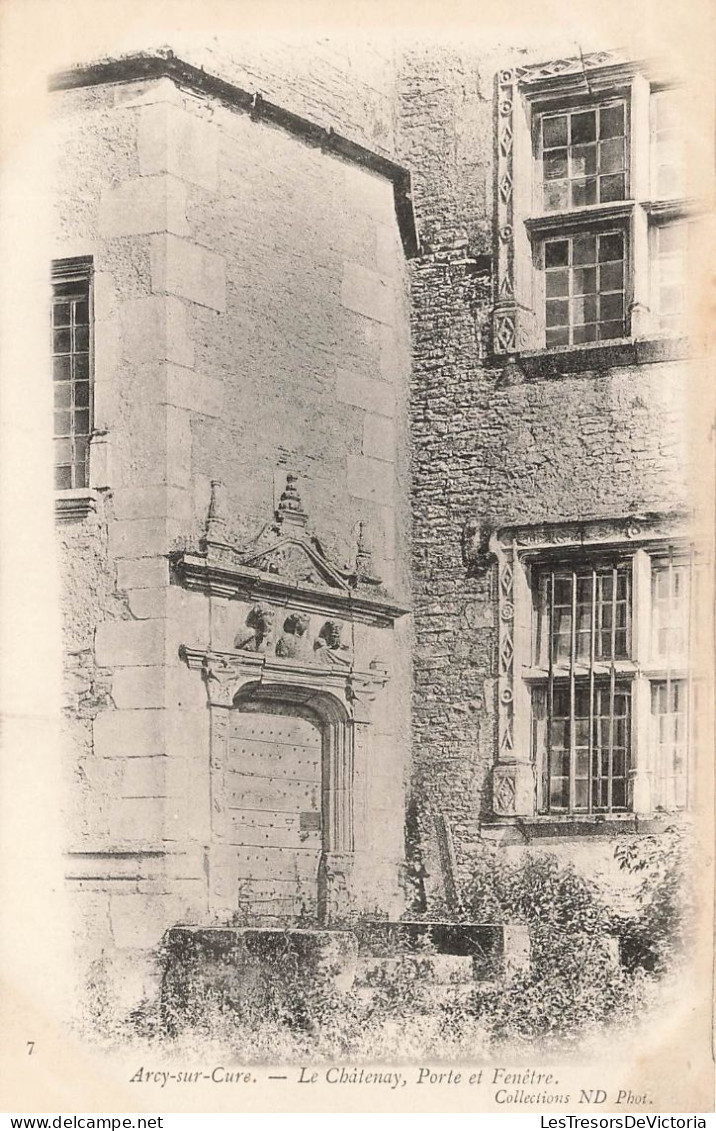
x=156, y=328
x=144, y=205
x=189, y=271
x=365, y=292
x=138, y=820
x=136, y=687
x=374, y=396
x=122, y=643
x=129, y=733
x=173, y=140
x=142, y=573
x=367, y=479
x=144, y=777
x=379, y=437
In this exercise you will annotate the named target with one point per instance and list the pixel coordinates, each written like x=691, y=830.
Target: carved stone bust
x=292, y=642
x=260, y=621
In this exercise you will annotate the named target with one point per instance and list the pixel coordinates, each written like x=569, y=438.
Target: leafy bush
x=576, y=982
x=662, y=928
x=575, y=986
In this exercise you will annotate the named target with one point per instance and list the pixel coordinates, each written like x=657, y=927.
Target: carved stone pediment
x=293, y=559
x=285, y=562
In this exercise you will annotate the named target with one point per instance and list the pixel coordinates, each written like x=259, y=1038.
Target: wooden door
x=273, y=812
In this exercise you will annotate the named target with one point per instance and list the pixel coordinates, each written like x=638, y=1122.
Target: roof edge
x=140, y=66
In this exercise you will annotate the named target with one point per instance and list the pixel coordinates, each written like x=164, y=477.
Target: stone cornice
x=142, y=67
x=197, y=571
x=627, y=532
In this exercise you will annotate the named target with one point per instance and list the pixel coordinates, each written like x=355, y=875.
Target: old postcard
x=357, y=518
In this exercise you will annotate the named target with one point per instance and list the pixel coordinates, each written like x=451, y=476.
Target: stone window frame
x=523, y=96
x=518, y=550
x=77, y=502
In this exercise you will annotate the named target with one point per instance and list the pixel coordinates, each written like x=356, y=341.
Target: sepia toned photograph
x=369, y=554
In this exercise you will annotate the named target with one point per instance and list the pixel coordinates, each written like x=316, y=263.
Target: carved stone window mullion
x=504, y=327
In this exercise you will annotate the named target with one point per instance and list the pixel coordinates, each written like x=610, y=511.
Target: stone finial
x=216, y=517
x=365, y=569
x=290, y=510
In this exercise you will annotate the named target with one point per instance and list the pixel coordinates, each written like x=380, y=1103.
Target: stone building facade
x=545, y=460
x=274, y=514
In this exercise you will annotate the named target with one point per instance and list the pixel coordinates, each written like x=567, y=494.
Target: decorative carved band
x=506, y=565
x=576, y=65
x=504, y=326
x=592, y=533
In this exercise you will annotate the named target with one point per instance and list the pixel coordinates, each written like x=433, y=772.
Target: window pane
x=611, y=187
x=611, y=121
x=584, y=126
x=611, y=277
x=63, y=395
x=61, y=341
x=555, y=164
x=557, y=283
x=584, y=160
x=584, y=309
x=63, y=423
x=611, y=156
x=584, y=192
x=63, y=451
x=557, y=312
x=584, y=250
x=555, y=195
x=82, y=394
x=556, y=253
x=81, y=366
x=610, y=307
x=63, y=478
x=81, y=338
x=610, y=331
x=554, y=131
x=585, y=280
x=81, y=449
x=81, y=422
x=61, y=314
x=611, y=247
x=61, y=368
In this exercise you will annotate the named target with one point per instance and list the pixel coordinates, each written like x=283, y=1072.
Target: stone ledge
x=74, y=505
x=551, y=829
x=565, y=361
